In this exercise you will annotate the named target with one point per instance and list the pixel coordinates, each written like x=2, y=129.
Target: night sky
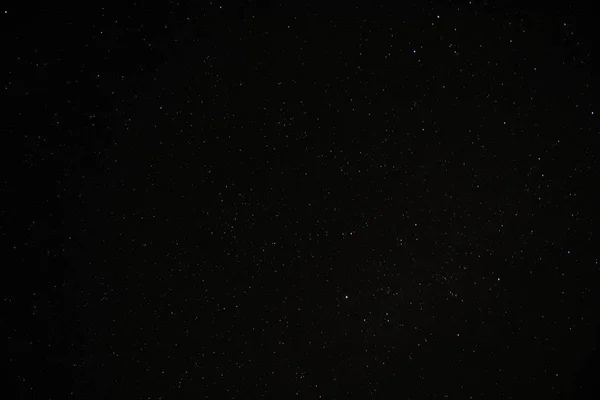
x=248, y=199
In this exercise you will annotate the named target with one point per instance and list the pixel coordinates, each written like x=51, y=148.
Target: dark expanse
x=255, y=200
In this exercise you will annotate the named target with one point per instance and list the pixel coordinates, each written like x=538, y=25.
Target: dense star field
x=263, y=200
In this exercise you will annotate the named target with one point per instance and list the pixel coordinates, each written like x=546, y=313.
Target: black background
x=251, y=199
